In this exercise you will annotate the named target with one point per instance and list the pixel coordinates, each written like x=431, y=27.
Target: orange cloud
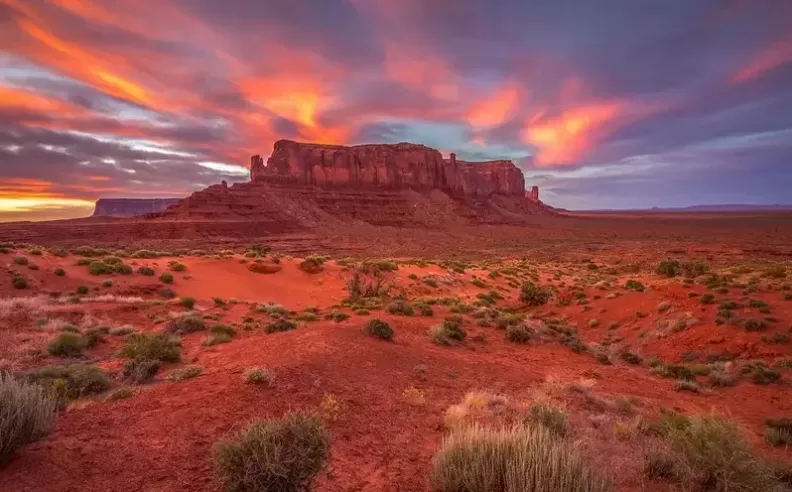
x=563, y=139
x=495, y=109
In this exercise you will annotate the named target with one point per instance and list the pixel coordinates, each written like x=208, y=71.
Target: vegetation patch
x=72, y=381
x=379, y=329
x=533, y=295
x=282, y=454
x=27, y=413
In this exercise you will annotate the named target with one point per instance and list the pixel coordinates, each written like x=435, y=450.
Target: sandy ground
x=160, y=439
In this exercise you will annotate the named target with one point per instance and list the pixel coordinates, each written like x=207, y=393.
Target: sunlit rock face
x=390, y=166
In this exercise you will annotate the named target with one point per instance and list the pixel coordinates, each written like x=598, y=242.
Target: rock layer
x=389, y=166
x=131, y=207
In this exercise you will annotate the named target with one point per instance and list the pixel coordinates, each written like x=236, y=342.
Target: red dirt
x=160, y=439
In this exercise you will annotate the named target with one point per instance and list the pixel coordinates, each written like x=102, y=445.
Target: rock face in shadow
x=387, y=166
x=131, y=207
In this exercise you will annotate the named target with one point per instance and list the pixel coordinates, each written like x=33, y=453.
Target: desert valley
x=406, y=323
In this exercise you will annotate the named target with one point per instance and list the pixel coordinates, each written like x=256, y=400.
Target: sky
x=602, y=104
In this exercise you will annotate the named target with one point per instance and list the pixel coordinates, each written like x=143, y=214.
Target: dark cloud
x=609, y=103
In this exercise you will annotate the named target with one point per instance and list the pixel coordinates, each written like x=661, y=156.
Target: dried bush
x=519, y=459
x=277, y=455
x=153, y=346
x=67, y=344
x=73, y=381
x=185, y=324
x=27, y=412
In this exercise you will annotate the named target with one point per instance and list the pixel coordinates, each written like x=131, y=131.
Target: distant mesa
x=131, y=207
x=304, y=185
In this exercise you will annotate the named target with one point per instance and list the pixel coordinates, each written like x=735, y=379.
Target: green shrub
x=166, y=278
x=754, y=325
x=188, y=302
x=27, y=413
x=167, y=293
x=36, y=252
x=67, y=344
x=59, y=272
x=282, y=455
x=153, y=346
x=82, y=290
x=146, y=271
x=707, y=299
x=400, y=307
x=518, y=334
x=532, y=295
x=668, y=268
x=379, y=329
x=259, y=375
x=312, y=264
x=519, y=459
x=72, y=381
x=185, y=324
x=141, y=371
x=634, y=285
x=223, y=329
x=713, y=455
x=19, y=282
x=184, y=373
x=175, y=266
x=20, y=260
x=550, y=416
x=280, y=325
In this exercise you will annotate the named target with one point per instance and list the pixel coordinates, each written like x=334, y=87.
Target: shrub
x=518, y=334
x=223, y=329
x=166, y=278
x=26, y=413
x=668, y=268
x=67, y=344
x=529, y=458
x=59, y=272
x=550, y=416
x=400, y=307
x=630, y=357
x=312, y=264
x=120, y=394
x=73, y=381
x=273, y=455
x=264, y=268
x=216, y=339
x=707, y=299
x=188, y=302
x=754, y=325
x=361, y=286
x=533, y=295
x=184, y=373
x=19, y=282
x=779, y=432
x=20, y=260
x=141, y=371
x=379, y=329
x=153, y=346
x=714, y=454
x=425, y=309
x=280, y=325
x=175, y=266
x=259, y=375
x=634, y=285
x=146, y=271
x=185, y=324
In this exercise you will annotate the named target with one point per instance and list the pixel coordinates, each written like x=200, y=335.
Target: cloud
x=122, y=97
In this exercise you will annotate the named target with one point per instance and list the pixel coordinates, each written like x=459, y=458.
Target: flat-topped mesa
x=393, y=166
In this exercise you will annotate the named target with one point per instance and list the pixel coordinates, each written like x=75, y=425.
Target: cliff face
x=131, y=207
x=391, y=166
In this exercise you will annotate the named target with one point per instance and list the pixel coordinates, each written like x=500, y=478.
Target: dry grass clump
x=283, y=455
x=516, y=459
x=367, y=285
x=151, y=346
x=259, y=375
x=185, y=324
x=533, y=295
x=379, y=329
x=183, y=373
x=27, y=412
x=707, y=453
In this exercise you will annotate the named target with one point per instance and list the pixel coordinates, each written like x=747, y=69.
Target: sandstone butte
x=394, y=166
x=307, y=185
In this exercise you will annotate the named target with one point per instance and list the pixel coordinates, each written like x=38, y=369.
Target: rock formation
x=131, y=207
x=311, y=185
x=533, y=195
x=388, y=166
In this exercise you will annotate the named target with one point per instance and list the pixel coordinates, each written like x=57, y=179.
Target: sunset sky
x=603, y=104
